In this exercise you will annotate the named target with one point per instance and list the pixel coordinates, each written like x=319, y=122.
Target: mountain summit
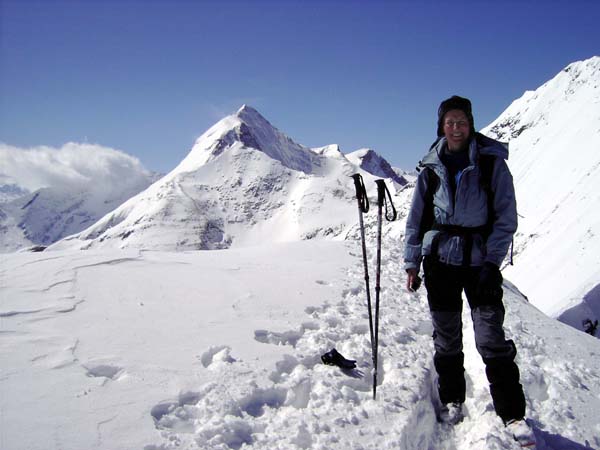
x=247, y=129
x=242, y=183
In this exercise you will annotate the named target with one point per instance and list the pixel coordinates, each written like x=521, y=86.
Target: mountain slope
x=242, y=183
x=554, y=135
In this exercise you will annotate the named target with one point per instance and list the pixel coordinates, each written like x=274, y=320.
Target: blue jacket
x=468, y=208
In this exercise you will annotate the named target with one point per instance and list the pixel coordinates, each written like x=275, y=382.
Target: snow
x=126, y=349
x=554, y=137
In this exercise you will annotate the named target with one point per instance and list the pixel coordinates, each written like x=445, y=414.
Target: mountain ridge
x=554, y=137
x=242, y=182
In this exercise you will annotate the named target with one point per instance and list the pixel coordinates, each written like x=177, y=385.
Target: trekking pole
x=363, y=207
x=382, y=200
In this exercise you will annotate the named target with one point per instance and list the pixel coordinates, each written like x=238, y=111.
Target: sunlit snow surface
x=554, y=142
x=124, y=349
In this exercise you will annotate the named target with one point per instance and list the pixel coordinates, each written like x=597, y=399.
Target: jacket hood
x=489, y=146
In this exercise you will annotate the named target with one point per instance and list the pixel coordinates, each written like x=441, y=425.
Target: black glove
x=334, y=358
x=490, y=282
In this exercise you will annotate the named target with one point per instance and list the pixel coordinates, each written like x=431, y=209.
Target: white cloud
x=90, y=167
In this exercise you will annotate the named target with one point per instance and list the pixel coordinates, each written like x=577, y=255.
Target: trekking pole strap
x=384, y=198
x=361, y=193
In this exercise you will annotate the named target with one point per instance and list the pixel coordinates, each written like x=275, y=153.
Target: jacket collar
x=479, y=144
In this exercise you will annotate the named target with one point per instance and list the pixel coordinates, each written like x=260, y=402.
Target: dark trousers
x=445, y=284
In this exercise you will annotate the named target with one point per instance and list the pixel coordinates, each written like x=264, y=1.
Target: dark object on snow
x=590, y=327
x=37, y=248
x=334, y=358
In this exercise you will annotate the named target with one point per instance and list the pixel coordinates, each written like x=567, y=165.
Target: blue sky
x=148, y=77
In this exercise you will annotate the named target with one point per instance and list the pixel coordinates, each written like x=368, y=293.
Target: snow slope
x=243, y=182
x=125, y=349
x=554, y=135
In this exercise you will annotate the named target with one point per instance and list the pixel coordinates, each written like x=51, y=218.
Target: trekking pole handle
x=383, y=198
x=361, y=193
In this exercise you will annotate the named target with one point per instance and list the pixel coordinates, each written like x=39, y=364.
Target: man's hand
x=413, y=281
x=490, y=282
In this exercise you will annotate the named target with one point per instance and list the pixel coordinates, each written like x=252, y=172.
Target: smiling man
x=462, y=219
x=456, y=130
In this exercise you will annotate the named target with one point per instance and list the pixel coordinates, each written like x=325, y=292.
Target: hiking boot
x=522, y=433
x=451, y=413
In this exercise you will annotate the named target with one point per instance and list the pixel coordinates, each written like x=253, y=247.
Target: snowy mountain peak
x=561, y=98
x=252, y=121
x=331, y=151
x=589, y=68
x=370, y=161
x=248, y=129
x=248, y=113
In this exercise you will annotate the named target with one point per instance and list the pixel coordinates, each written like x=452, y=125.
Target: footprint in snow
x=286, y=337
x=217, y=416
x=272, y=337
x=107, y=371
x=215, y=354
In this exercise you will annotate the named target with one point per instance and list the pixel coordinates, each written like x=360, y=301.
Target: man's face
x=456, y=129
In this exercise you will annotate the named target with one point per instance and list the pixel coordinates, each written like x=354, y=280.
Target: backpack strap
x=428, y=218
x=486, y=168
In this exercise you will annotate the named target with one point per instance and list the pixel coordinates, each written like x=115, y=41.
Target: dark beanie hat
x=454, y=102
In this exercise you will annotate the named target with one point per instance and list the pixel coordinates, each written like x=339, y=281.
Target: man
x=460, y=226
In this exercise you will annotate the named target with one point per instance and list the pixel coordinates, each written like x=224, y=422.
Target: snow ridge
x=554, y=135
x=263, y=136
